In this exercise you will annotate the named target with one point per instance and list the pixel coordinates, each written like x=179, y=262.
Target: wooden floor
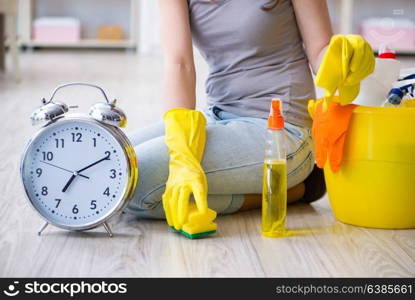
x=321, y=247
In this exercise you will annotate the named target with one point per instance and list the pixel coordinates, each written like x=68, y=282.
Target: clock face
x=75, y=173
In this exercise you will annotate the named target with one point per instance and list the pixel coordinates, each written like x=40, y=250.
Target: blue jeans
x=233, y=162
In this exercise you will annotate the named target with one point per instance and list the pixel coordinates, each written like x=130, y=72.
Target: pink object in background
x=56, y=30
x=397, y=32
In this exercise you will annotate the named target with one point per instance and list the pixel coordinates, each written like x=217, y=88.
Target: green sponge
x=198, y=224
x=195, y=235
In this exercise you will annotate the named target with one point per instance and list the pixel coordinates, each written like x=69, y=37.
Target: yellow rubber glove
x=347, y=61
x=186, y=137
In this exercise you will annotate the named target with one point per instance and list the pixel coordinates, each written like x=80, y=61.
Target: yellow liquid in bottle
x=274, y=198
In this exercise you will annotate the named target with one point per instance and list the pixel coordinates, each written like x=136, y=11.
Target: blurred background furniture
x=8, y=34
x=349, y=16
x=91, y=13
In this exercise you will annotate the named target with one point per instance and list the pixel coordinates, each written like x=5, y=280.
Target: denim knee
x=150, y=208
x=153, y=162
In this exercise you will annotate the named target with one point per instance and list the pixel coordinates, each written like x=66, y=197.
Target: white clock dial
x=75, y=173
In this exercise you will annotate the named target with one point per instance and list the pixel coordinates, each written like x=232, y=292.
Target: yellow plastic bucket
x=375, y=186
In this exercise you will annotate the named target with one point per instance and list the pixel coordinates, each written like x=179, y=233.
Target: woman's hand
x=314, y=23
x=348, y=60
x=179, y=68
x=186, y=138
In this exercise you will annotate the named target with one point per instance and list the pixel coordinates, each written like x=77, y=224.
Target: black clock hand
x=63, y=168
x=93, y=164
x=69, y=182
x=83, y=169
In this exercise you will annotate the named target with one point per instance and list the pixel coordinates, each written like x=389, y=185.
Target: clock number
x=60, y=142
x=108, y=154
x=77, y=137
x=93, y=204
x=113, y=173
x=44, y=190
x=39, y=172
x=47, y=155
x=95, y=141
x=58, y=202
x=107, y=191
x=75, y=210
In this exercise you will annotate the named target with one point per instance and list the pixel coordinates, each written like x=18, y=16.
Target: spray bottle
x=274, y=190
x=397, y=95
x=402, y=89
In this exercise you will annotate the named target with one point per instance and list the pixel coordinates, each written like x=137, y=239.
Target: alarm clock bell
x=109, y=114
x=106, y=112
x=47, y=112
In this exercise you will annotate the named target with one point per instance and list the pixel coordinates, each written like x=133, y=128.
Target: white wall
x=148, y=36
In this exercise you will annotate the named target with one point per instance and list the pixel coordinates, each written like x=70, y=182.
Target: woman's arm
x=179, y=68
x=314, y=22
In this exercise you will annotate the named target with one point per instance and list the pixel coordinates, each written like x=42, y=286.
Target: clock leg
x=42, y=228
x=108, y=229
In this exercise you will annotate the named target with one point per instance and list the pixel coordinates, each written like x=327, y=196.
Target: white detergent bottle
x=374, y=89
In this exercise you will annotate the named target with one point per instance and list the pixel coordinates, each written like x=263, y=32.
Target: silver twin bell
x=48, y=112
x=104, y=112
x=108, y=113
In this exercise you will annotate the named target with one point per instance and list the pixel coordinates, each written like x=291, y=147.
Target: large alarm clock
x=78, y=171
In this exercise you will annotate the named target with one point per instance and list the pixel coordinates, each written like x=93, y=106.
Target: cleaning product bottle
x=274, y=190
x=403, y=88
x=374, y=88
x=400, y=93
